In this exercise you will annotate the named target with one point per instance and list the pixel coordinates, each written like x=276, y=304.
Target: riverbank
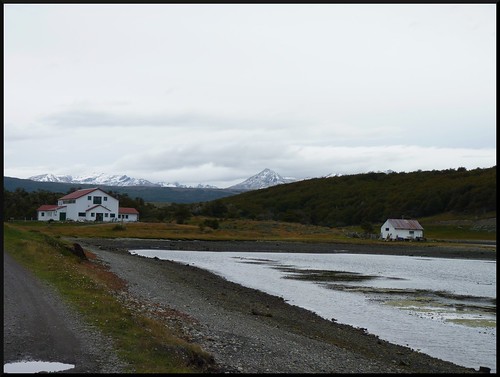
x=422, y=249
x=248, y=331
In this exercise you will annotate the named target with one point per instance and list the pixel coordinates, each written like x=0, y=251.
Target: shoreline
x=247, y=330
x=391, y=248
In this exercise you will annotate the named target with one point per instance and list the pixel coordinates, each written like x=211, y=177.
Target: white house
x=401, y=229
x=84, y=205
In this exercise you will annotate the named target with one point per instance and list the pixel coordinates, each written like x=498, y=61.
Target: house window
x=412, y=232
x=386, y=229
x=81, y=214
x=111, y=215
x=105, y=198
x=92, y=214
x=126, y=216
x=97, y=199
x=106, y=215
x=89, y=197
x=43, y=214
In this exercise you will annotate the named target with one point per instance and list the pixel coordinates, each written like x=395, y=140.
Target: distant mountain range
x=102, y=179
x=149, y=191
x=266, y=178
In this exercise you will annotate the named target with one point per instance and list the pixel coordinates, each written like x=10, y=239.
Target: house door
x=98, y=217
x=62, y=216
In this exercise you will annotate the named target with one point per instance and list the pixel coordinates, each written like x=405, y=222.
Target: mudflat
x=248, y=331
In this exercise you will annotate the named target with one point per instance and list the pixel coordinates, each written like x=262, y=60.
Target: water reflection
x=467, y=310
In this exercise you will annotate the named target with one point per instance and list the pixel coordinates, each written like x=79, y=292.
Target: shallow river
x=445, y=308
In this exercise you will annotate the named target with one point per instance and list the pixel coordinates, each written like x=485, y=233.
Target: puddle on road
x=35, y=367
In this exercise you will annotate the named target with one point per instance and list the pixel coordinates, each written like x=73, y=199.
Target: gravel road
x=248, y=331
x=39, y=326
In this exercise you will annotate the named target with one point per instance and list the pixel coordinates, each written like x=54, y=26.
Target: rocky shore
x=248, y=331
x=476, y=250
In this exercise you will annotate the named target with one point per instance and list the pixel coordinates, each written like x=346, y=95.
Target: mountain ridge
x=147, y=193
x=265, y=178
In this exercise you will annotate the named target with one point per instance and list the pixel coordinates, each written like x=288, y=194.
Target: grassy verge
x=227, y=230
x=147, y=345
x=436, y=228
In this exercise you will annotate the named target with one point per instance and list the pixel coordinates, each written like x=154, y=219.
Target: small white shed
x=52, y=212
x=394, y=229
x=128, y=214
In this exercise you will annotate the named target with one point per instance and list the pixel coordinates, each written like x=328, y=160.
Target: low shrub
x=119, y=227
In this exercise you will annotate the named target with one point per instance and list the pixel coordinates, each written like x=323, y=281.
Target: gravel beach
x=248, y=331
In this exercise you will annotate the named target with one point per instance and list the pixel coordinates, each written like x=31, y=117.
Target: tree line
x=366, y=198
x=337, y=201
x=22, y=205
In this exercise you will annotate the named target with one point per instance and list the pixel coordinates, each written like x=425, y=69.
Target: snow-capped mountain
x=52, y=178
x=94, y=179
x=340, y=174
x=180, y=185
x=266, y=178
x=331, y=175
x=109, y=180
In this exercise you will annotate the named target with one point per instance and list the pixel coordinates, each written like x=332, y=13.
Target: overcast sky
x=215, y=93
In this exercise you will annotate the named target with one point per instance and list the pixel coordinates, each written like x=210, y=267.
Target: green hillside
x=368, y=198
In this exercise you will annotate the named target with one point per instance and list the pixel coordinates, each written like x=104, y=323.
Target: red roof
x=79, y=193
x=128, y=211
x=49, y=207
x=405, y=224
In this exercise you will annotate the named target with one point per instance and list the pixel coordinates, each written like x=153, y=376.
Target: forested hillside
x=372, y=197
x=335, y=202
x=22, y=205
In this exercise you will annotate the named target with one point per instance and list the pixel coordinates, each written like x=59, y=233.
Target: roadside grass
x=146, y=345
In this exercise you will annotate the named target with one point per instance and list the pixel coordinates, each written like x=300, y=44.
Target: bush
x=214, y=224
x=119, y=227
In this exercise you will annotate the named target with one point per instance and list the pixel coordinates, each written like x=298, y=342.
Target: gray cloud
x=216, y=93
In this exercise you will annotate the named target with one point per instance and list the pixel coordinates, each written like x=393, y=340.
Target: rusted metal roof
x=405, y=224
x=78, y=194
x=49, y=207
x=127, y=210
